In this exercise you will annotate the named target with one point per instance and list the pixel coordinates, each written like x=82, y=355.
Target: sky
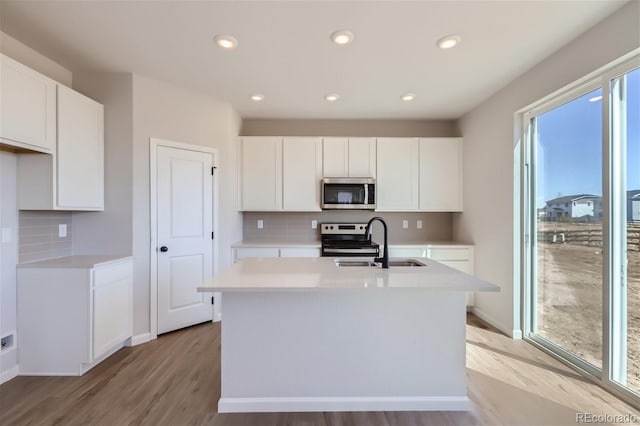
x=569, y=145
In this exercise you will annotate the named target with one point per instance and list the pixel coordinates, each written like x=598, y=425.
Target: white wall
x=489, y=156
x=109, y=231
x=8, y=260
x=163, y=111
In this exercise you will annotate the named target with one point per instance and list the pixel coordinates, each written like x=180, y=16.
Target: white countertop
x=80, y=261
x=322, y=273
x=292, y=244
x=316, y=244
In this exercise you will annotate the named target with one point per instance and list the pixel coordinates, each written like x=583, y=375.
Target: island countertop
x=277, y=274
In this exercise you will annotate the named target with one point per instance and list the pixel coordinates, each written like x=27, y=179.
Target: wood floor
x=175, y=380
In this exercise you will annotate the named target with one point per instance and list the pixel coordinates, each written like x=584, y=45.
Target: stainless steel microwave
x=349, y=193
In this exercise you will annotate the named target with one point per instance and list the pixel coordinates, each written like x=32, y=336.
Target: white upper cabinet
x=261, y=173
x=441, y=174
x=398, y=174
x=80, y=151
x=27, y=108
x=72, y=178
x=349, y=157
x=302, y=172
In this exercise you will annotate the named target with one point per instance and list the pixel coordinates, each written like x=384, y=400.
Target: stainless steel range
x=347, y=239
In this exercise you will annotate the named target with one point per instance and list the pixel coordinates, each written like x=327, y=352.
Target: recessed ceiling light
x=342, y=37
x=595, y=98
x=448, y=42
x=257, y=97
x=332, y=97
x=227, y=42
x=408, y=97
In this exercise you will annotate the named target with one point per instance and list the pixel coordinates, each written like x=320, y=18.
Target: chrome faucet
x=367, y=232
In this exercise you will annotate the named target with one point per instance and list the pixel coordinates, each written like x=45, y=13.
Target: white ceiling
x=285, y=53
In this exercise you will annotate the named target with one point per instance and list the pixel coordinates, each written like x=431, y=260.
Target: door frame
x=154, y=144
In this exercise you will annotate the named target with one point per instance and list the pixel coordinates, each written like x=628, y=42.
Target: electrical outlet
x=405, y=224
x=62, y=230
x=260, y=224
x=419, y=224
x=314, y=224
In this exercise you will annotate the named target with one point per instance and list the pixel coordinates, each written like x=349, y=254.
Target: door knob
x=164, y=249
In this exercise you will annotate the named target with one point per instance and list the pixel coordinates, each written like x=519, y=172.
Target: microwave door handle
x=366, y=193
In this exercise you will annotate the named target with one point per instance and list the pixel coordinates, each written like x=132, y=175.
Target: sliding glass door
x=567, y=148
x=582, y=227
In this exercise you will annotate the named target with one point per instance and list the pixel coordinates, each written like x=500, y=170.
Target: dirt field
x=570, y=301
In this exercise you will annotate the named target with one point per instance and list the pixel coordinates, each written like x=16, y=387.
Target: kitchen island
x=304, y=334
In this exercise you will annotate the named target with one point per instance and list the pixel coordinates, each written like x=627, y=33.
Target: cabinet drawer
x=242, y=253
x=299, y=252
x=407, y=251
x=110, y=274
x=449, y=253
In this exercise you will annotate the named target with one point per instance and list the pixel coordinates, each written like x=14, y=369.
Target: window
x=582, y=291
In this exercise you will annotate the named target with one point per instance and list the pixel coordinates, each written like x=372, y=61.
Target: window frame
x=613, y=226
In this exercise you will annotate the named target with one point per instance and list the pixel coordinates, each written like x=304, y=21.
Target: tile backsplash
x=296, y=227
x=38, y=235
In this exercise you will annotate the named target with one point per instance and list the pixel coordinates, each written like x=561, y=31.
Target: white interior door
x=185, y=246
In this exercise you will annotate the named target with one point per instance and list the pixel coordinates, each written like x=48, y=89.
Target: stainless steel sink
x=404, y=263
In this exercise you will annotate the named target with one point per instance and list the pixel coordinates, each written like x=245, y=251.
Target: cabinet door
x=299, y=252
x=80, y=153
x=244, y=252
x=28, y=107
x=112, y=306
x=397, y=181
x=261, y=173
x=362, y=157
x=302, y=172
x=407, y=251
x=335, y=158
x=441, y=174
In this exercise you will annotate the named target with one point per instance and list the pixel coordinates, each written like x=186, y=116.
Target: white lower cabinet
x=459, y=257
x=72, y=313
x=299, y=252
x=240, y=253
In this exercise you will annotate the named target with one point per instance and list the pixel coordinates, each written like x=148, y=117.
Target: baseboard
x=492, y=321
x=139, y=339
x=314, y=404
x=5, y=376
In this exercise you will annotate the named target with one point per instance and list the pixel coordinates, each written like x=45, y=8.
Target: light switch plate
x=7, y=235
x=260, y=224
x=419, y=224
x=405, y=224
x=62, y=230
x=314, y=224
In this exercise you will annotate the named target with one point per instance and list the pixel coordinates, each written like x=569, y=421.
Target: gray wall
x=167, y=112
x=109, y=231
x=490, y=175
x=8, y=258
x=296, y=227
x=9, y=209
x=386, y=128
